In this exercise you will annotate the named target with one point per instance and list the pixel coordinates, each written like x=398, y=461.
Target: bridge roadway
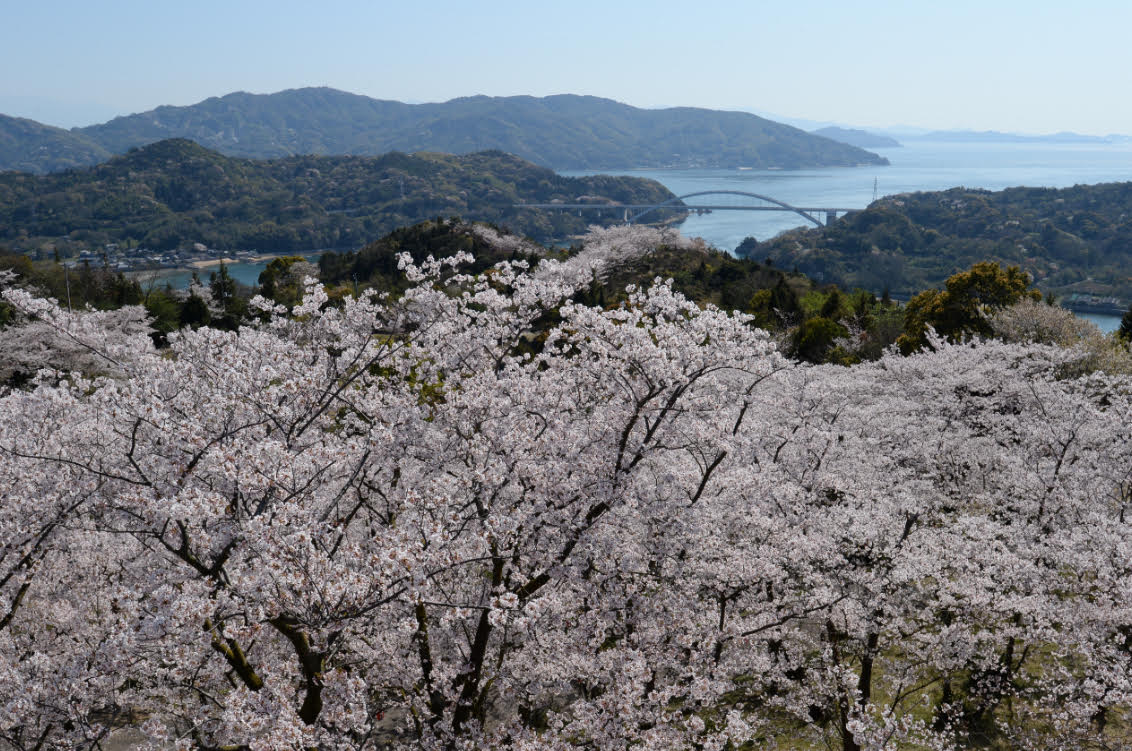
x=643, y=206
x=807, y=212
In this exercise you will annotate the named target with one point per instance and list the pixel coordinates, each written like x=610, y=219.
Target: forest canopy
x=174, y=194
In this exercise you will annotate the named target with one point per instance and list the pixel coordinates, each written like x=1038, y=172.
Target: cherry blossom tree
x=94, y=341
x=395, y=524
x=1032, y=321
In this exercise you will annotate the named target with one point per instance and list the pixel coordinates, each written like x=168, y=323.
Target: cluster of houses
x=119, y=258
x=1087, y=303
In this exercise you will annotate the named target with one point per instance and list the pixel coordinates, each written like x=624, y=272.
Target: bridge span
x=632, y=212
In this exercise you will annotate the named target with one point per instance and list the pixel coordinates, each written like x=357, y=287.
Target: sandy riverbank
x=217, y=261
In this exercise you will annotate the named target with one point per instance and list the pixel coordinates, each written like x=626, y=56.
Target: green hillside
x=175, y=193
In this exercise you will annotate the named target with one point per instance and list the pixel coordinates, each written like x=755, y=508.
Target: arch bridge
x=633, y=212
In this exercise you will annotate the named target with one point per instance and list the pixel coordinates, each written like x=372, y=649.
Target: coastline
x=245, y=268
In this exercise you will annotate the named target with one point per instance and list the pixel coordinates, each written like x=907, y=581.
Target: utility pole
x=67, y=277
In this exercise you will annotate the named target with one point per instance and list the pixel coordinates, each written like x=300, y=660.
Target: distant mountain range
x=994, y=136
x=878, y=138
x=904, y=132
x=561, y=132
x=28, y=146
x=175, y=193
x=860, y=138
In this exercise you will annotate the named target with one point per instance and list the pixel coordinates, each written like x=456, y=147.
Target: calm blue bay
x=244, y=273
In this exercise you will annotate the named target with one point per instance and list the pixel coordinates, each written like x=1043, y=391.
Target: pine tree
x=832, y=306
x=1125, y=330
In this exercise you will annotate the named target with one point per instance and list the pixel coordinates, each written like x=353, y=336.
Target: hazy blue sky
x=1021, y=65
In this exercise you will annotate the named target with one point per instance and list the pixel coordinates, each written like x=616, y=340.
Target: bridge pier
x=830, y=217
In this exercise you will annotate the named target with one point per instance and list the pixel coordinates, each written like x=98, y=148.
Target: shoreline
x=206, y=263
x=1101, y=310
x=245, y=269
x=210, y=262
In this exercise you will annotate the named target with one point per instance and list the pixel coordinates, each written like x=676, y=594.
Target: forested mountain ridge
x=1072, y=240
x=562, y=132
x=175, y=193
x=28, y=146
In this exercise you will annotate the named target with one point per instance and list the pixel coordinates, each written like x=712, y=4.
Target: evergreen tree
x=832, y=306
x=195, y=312
x=222, y=286
x=1125, y=330
x=783, y=299
x=226, y=294
x=747, y=248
